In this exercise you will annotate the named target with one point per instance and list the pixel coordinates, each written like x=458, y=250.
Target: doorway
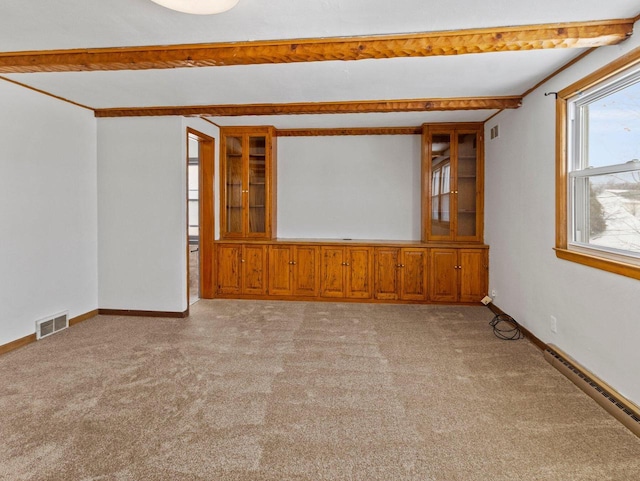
x=200, y=215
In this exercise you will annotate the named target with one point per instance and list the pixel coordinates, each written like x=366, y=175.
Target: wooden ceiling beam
x=425, y=44
x=349, y=131
x=347, y=107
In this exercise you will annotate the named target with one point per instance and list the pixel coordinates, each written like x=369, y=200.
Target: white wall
x=597, y=312
x=48, y=219
x=359, y=187
x=142, y=191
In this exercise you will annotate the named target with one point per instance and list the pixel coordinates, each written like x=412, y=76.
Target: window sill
x=609, y=265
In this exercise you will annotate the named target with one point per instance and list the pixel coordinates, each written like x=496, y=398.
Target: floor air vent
x=623, y=410
x=52, y=324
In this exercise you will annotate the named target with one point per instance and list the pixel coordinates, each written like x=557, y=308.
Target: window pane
x=193, y=213
x=613, y=126
x=193, y=177
x=614, y=211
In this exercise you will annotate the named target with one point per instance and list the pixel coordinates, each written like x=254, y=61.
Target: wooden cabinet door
x=254, y=269
x=453, y=182
x=280, y=270
x=386, y=272
x=306, y=272
x=413, y=274
x=332, y=271
x=247, y=172
x=229, y=273
x=359, y=272
x=473, y=274
x=443, y=285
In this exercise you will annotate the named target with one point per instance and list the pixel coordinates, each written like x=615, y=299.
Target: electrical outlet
x=553, y=324
x=486, y=300
x=494, y=293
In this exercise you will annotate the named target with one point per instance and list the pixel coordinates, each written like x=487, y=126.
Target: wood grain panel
x=300, y=108
x=359, y=272
x=386, y=272
x=473, y=274
x=306, y=272
x=350, y=131
x=413, y=274
x=83, y=317
x=140, y=313
x=332, y=283
x=443, y=281
x=254, y=269
x=422, y=44
x=206, y=153
x=280, y=270
x=228, y=265
x=18, y=343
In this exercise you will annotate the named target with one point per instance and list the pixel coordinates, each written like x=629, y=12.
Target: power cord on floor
x=506, y=327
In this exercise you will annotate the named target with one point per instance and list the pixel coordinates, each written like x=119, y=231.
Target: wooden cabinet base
x=341, y=299
x=404, y=273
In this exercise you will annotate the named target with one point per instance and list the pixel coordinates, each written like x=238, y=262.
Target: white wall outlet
x=494, y=293
x=553, y=324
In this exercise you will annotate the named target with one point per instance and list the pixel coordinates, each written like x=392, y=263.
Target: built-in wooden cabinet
x=247, y=190
x=294, y=270
x=346, y=272
x=241, y=269
x=374, y=272
x=401, y=273
x=453, y=182
x=458, y=275
x=449, y=264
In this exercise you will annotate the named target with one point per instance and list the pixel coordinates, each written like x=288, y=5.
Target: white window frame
x=579, y=172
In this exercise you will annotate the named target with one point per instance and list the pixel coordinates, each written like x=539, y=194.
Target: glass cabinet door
x=233, y=178
x=247, y=163
x=453, y=182
x=440, y=185
x=466, y=184
x=257, y=179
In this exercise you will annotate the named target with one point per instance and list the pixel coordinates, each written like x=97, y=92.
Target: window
x=599, y=169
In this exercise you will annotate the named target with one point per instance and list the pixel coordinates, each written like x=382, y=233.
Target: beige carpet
x=245, y=390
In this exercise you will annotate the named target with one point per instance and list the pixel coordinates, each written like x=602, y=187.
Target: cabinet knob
x=242, y=260
x=293, y=262
x=346, y=264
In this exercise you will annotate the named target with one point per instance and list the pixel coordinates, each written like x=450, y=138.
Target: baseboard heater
x=615, y=404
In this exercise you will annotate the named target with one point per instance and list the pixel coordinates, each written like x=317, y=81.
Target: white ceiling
x=66, y=24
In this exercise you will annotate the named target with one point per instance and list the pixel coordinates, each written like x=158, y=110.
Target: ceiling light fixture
x=198, y=7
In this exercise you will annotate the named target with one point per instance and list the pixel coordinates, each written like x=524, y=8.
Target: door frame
x=206, y=210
